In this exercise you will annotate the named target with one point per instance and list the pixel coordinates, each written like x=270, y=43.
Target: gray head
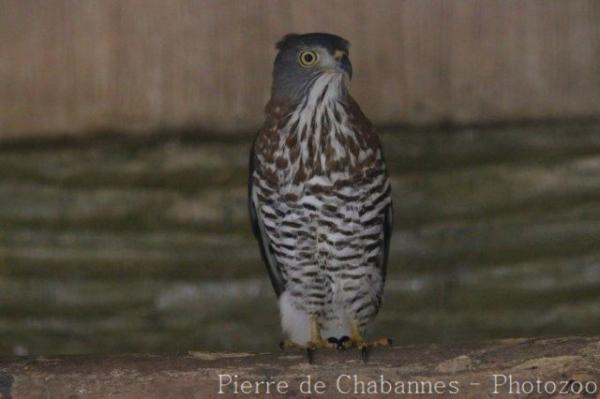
x=303, y=58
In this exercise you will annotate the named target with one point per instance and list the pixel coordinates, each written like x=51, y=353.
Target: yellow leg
x=357, y=340
x=316, y=341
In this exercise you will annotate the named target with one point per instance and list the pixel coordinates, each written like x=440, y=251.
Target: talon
x=357, y=340
x=364, y=354
x=287, y=344
x=315, y=342
x=309, y=355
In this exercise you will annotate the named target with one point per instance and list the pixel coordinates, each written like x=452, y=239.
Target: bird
x=319, y=198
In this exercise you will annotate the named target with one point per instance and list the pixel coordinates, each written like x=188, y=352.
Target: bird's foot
x=365, y=346
x=288, y=344
x=310, y=346
x=356, y=340
x=346, y=342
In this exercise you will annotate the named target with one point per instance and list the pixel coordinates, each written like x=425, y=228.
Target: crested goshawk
x=320, y=197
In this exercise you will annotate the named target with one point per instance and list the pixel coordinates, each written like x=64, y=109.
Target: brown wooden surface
x=75, y=67
x=470, y=367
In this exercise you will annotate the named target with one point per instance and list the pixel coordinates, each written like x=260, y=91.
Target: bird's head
x=302, y=59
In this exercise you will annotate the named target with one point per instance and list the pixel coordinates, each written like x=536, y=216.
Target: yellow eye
x=308, y=58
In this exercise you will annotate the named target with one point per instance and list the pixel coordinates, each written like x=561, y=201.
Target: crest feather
x=327, y=40
x=286, y=39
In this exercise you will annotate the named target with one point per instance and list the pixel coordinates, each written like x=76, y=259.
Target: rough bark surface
x=470, y=366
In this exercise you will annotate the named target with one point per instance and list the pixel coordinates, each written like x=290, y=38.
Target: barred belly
x=329, y=243
x=322, y=194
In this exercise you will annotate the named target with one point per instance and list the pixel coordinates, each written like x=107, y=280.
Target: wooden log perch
x=505, y=368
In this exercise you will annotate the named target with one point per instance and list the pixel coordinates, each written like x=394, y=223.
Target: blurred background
x=125, y=127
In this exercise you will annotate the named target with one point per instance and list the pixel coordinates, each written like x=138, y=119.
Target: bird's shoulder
x=277, y=114
x=361, y=125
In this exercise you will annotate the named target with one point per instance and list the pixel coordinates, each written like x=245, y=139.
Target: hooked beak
x=343, y=62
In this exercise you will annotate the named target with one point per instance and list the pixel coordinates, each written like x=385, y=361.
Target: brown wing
x=264, y=243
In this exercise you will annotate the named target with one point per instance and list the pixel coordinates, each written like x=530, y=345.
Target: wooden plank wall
x=75, y=67
x=114, y=246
